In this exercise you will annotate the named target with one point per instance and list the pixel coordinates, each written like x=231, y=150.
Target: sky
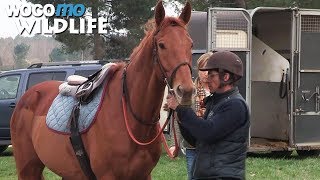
x=9, y=26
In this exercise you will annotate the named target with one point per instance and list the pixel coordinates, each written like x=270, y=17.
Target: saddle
x=81, y=87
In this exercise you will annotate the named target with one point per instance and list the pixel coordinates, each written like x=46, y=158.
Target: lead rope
x=160, y=130
x=174, y=154
x=130, y=132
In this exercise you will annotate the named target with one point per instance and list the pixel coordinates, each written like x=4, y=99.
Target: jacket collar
x=216, y=97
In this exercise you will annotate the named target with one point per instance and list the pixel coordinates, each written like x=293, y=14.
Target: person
x=221, y=137
x=202, y=91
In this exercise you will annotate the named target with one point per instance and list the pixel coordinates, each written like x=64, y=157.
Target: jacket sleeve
x=227, y=119
x=187, y=136
x=187, y=112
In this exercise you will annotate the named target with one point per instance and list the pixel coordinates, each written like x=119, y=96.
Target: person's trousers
x=190, y=155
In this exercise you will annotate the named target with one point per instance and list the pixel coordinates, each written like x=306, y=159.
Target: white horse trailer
x=280, y=48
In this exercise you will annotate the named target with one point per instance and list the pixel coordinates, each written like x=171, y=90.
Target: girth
x=77, y=144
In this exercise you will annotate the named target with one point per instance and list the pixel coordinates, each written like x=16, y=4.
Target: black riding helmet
x=225, y=60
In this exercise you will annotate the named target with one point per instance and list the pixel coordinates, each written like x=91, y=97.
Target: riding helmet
x=224, y=60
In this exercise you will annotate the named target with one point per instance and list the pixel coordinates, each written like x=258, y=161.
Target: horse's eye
x=161, y=45
x=173, y=23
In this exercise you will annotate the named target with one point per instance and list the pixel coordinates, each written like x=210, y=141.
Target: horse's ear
x=186, y=13
x=159, y=13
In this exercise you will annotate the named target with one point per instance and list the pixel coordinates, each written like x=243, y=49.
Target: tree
x=20, y=53
x=129, y=15
x=81, y=42
x=203, y=5
x=59, y=54
x=119, y=47
x=284, y=3
x=121, y=14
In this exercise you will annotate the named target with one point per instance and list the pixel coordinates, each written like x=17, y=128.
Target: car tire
x=3, y=148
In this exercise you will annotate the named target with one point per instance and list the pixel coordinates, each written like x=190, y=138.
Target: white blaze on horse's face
x=174, y=46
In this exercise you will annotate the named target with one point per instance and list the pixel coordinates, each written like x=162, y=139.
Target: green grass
x=259, y=167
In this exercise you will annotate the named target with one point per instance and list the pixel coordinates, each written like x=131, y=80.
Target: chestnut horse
x=165, y=51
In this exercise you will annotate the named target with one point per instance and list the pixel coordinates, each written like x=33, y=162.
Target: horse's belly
x=109, y=160
x=55, y=150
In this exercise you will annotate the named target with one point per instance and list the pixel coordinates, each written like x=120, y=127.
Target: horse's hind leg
x=28, y=164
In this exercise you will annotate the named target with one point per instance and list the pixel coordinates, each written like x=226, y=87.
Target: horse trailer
x=279, y=48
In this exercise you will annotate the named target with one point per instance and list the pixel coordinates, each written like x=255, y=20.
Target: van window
x=36, y=78
x=9, y=86
x=85, y=73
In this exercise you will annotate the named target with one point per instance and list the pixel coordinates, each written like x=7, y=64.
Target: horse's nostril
x=180, y=91
x=180, y=88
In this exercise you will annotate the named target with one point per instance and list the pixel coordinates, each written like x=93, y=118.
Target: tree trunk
x=240, y=4
x=98, y=45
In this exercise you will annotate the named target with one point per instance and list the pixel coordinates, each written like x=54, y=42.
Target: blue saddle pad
x=59, y=112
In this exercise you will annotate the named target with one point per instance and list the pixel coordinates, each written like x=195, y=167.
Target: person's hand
x=172, y=101
x=172, y=149
x=165, y=107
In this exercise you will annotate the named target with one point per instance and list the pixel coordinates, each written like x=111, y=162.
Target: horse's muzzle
x=185, y=94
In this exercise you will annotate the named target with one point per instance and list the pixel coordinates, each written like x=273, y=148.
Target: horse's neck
x=145, y=88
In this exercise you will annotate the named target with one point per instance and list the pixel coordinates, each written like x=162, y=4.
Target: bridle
x=156, y=58
x=168, y=80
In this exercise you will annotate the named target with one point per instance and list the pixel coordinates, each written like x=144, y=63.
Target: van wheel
x=314, y=152
x=3, y=148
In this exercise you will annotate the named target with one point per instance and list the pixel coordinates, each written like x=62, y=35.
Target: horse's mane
x=150, y=28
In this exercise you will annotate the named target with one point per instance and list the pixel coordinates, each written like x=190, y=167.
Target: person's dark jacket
x=221, y=137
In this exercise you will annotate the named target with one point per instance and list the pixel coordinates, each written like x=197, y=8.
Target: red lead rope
x=171, y=155
x=176, y=144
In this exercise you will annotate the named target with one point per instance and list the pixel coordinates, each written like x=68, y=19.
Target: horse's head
x=172, y=51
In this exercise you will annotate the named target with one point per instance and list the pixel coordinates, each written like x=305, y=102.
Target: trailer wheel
x=314, y=152
x=3, y=148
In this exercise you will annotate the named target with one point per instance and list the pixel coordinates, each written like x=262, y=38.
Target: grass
x=263, y=166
